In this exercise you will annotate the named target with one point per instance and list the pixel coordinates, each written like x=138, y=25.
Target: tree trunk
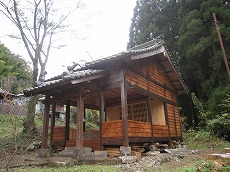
x=29, y=123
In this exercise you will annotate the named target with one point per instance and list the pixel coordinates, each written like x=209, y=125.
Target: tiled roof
x=64, y=78
x=146, y=47
x=95, y=67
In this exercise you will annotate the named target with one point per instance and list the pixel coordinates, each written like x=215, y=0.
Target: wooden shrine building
x=135, y=92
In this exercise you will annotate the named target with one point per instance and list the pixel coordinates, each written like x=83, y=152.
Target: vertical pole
x=124, y=108
x=67, y=121
x=149, y=105
x=45, y=124
x=167, y=118
x=181, y=136
x=167, y=122
x=84, y=118
x=52, y=123
x=102, y=116
x=192, y=112
x=80, y=116
x=175, y=122
x=222, y=45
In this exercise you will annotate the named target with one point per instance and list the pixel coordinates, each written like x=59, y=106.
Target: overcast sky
x=102, y=29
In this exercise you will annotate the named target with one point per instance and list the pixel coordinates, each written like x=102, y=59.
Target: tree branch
x=21, y=30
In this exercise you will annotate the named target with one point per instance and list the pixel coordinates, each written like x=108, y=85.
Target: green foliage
x=219, y=106
x=6, y=127
x=216, y=117
x=6, y=137
x=201, y=60
x=152, y=19
x=14, y=67
x=91, y=118
x=203, y=166
x=203, y=140
x=220, y=126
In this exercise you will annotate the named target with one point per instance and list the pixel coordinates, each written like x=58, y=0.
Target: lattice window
x=140, y=112
x=136, y=112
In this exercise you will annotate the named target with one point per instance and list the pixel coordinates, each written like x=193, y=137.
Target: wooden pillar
x=124, y=109
x=102, y=116
x=181, y=136
x=84, y=118
x=67, y=121
x=52, y=123
x=45, y=123
x=167, y=122
x=175, y=123
x=149, y=106
x=80, y=116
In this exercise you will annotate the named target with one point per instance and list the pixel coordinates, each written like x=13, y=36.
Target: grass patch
x=81, y=168
x=203, y=166
x=6, y=127
x=6, y=130
x=203, y=140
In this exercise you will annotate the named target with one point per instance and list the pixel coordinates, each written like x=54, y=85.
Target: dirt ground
x=165, y=162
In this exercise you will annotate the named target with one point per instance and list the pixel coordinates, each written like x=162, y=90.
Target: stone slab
x=100, y=154
x=43, y=153
x=226, y=150
x=124, y=151
x=82, y=153
x=128, y=159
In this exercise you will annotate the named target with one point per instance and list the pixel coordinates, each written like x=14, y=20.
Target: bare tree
x=11, y=111
x=39, y=23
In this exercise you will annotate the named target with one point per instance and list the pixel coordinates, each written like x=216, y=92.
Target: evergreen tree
x=15, y=67
x=201, y=60
x=155, y=18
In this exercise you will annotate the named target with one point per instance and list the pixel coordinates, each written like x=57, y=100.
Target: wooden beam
x=45, y=123
x=118, y=141
x=52, y=123
x=176, y=82
x=151, y=80
x=88, y=78
x=80, y=116
x=152, y=95
x=124, y=108
x=67, y=120
x=102, y=116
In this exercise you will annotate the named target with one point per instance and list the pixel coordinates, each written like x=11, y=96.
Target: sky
x=101, y=29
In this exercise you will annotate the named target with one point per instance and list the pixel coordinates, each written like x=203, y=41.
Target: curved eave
x=174, y=76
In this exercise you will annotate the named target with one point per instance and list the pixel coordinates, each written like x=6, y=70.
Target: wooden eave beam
x=165, y=62
x=51, y=88
x=88, y=78
x=176, y=82
x=181, y=92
